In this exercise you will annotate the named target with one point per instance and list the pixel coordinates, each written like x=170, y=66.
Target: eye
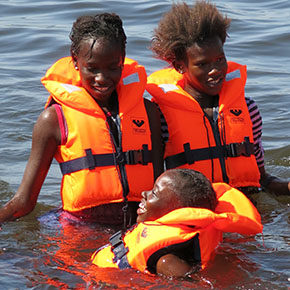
x=92, y=69
x=113, y=67
x=153, y=194
x=202, y=64
x=221, y=59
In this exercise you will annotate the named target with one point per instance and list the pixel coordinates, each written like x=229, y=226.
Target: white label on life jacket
x=134, y=78
x=233, y=75
x=168, y=87
x=71, y=88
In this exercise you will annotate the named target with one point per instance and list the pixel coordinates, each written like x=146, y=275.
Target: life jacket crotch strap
x=91, y=161
x=119, y=250
x=189, y=156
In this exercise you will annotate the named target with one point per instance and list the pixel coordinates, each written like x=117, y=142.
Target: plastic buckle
x=238, y=149
x=245, y=149
x=134, y=157
x=232, y=150
x=248, y=147
x=116, y=239
x=118, y=247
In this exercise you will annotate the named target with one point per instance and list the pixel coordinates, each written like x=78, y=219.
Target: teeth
x=101, y=88
x=142, y=206
x=212, y=82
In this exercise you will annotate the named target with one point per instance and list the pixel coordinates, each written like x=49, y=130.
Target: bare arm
x=157, y=146
x=274, y=184
x=269, y=183
x=45, y=139
x=172, y=266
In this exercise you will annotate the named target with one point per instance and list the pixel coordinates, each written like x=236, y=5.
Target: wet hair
x=183, y=26
x=193, y=189
x=107, y=26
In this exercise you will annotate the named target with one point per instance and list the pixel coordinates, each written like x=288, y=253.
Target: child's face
x=100, y=65
x=158, y=201
x=206, y=68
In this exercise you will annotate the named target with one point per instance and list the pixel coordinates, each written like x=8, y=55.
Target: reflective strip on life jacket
x=222, y=147
x=96, y=170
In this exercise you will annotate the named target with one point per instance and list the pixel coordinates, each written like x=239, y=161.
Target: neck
x=112, y=106
x=205, y=101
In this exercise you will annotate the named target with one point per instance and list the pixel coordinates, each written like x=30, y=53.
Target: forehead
x=100, y=46
x=165, y=183
x=210, y=46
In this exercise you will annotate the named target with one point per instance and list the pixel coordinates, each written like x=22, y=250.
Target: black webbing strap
x=189, y=156
x=91, y=161
x=119, y=250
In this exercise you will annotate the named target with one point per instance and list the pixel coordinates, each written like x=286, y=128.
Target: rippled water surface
x=39, y=253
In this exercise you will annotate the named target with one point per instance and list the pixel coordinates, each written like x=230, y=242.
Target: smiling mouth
x=141, y=208
x=215, y=82
x=102, y=89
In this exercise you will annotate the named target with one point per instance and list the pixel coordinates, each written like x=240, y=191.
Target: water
x=43, y=255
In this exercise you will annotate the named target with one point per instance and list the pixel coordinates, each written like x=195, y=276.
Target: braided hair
x=107, y=26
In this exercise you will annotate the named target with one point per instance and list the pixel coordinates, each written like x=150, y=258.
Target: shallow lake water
x=39, y=251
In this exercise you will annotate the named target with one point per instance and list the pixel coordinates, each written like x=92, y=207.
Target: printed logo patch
x=138, y=126
x=138, y=123
x=236, y=112
x=236, y=116
x=144, y=233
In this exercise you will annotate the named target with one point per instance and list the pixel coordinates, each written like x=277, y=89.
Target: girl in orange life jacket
x=211, y=125
x=97, y=127
x=180, y=223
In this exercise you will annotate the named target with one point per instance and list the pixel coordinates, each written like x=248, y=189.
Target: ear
x=75, y=64
x=74, y=59
x=179, y=66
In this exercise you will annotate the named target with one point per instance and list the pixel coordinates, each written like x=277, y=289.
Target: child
x=180, y=223
x=97, y=126
x=212, y=126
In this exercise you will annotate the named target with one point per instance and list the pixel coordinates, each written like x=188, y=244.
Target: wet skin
x=154, y=204
x=100, y=64
x=158, y=201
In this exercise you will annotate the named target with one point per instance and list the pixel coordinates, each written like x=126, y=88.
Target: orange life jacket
x=222, y=151
x=195, y=230
x=93, y=172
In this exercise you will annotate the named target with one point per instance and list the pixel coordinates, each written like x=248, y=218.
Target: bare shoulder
x=47, y=125
x=172, y=266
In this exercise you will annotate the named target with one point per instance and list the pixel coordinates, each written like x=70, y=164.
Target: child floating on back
x=180, y=223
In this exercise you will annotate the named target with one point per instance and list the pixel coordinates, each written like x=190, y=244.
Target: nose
x=217, y=67
x=214, y=69
x=101, y=77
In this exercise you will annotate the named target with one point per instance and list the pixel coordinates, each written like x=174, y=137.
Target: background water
x=42, y=255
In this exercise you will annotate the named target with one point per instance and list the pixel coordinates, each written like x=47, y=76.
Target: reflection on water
x=45, y=253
